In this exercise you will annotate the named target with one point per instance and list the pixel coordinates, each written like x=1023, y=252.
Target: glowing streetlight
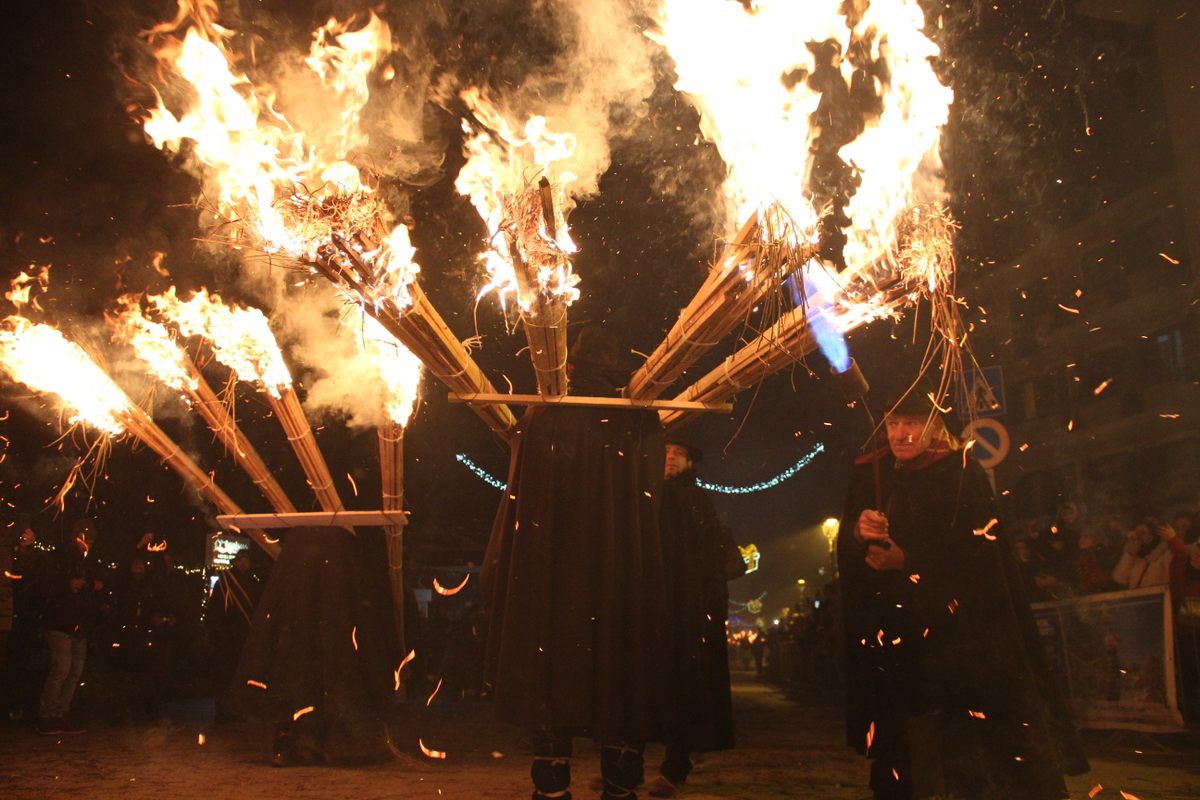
x=829, y=528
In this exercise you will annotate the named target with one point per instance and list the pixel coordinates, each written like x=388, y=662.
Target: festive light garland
x=480, y=472
x=496, y=483
x=768, y=484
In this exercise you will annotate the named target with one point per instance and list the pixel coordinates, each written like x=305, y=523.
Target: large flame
x=399, y=369
x=749, y=71
x=290, y=190
x=500, y=178
x=40, y=357
x=153, y=344
x=241, y=338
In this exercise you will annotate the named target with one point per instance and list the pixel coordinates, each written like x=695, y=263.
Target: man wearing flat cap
x=947, y=689
x=699, y=557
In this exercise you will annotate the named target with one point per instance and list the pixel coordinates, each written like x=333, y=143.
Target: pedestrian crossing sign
x=982, y=394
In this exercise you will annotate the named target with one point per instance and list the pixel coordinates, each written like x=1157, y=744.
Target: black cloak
x=697, y=551
x=321, y=637
x=574, y=576
x=950, y=639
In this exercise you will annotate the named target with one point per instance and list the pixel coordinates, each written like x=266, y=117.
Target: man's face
x=908, y=435
x=677, y=460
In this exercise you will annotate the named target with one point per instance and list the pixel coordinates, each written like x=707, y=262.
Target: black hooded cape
x=321, y=637
x=950, y=638
x=574, y=576
x=697, y=551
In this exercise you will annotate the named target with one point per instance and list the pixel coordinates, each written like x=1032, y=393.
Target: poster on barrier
x=1114, y=656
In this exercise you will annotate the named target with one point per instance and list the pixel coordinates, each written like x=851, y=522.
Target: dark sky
x=1054, y=114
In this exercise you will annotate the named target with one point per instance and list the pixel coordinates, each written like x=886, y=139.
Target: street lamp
x=829, y=528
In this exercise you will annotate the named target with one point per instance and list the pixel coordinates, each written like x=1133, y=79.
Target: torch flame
x=153, y=344
x=292, y=190
x=40, y=357
x=399, y=369
x=241, y=338
x=496, y=178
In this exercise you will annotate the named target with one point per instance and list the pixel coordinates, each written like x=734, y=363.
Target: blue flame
x=829, y=339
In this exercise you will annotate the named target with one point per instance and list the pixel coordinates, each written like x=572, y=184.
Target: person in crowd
x=948, y=691
x=227, y=616
x=1185, y=559
x=1089, y=564
x=1146, y=560
x=578, y=643
x=1057, y=549
x=72, y=589
x=700, y=557
x=20, y=676
x=140, y=623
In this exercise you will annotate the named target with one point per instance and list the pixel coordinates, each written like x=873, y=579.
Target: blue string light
x=480, y=472
x=495, y=482
x=768, y=484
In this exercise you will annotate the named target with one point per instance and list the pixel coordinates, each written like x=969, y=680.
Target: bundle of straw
x=299, y=433
x=216, y=415
x=752, y=265
x=921, y=267
x=418, y=326
x=531, y=230
x=138, y=423
x=391, y=467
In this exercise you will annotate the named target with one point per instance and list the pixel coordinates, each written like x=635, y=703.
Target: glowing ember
x=870, y=736
x=256, y=684
x=437, y=587
x=354, y=637
x=44, y=360
x=241, y=338
x=985, y=531
x=430, y=753
x=411, y=655
x=301, y=712
x=434, y=694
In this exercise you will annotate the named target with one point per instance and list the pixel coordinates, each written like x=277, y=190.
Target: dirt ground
x=786, y=749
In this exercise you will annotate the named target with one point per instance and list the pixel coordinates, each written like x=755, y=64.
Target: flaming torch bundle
x=40, y=357
x=242, y=340
x=752, y=265
x=284, y=192
x=922, y=267
x=170, y=363
x=530, y=245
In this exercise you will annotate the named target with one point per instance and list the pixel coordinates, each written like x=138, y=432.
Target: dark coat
x=697, y=549
x=76, y=612
x=574, y=576
x=950, y=635
x=322, y=637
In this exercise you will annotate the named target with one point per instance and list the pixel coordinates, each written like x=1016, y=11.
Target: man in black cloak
x=947, y=688
x=321, y=649
x=574, y=576
x=700, y=557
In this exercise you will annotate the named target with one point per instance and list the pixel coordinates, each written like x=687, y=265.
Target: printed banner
x=1114, y=655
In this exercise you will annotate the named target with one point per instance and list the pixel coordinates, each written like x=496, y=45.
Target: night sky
x=1054, y=114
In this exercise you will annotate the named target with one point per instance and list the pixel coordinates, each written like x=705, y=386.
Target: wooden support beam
x=316, y=519
x=592, y=402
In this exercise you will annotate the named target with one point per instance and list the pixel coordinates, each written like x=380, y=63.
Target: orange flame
x=153, y=344
x=241, y=338
x=40, y=357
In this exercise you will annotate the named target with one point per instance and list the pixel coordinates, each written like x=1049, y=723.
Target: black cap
x=694, y=452
x=916, y=399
